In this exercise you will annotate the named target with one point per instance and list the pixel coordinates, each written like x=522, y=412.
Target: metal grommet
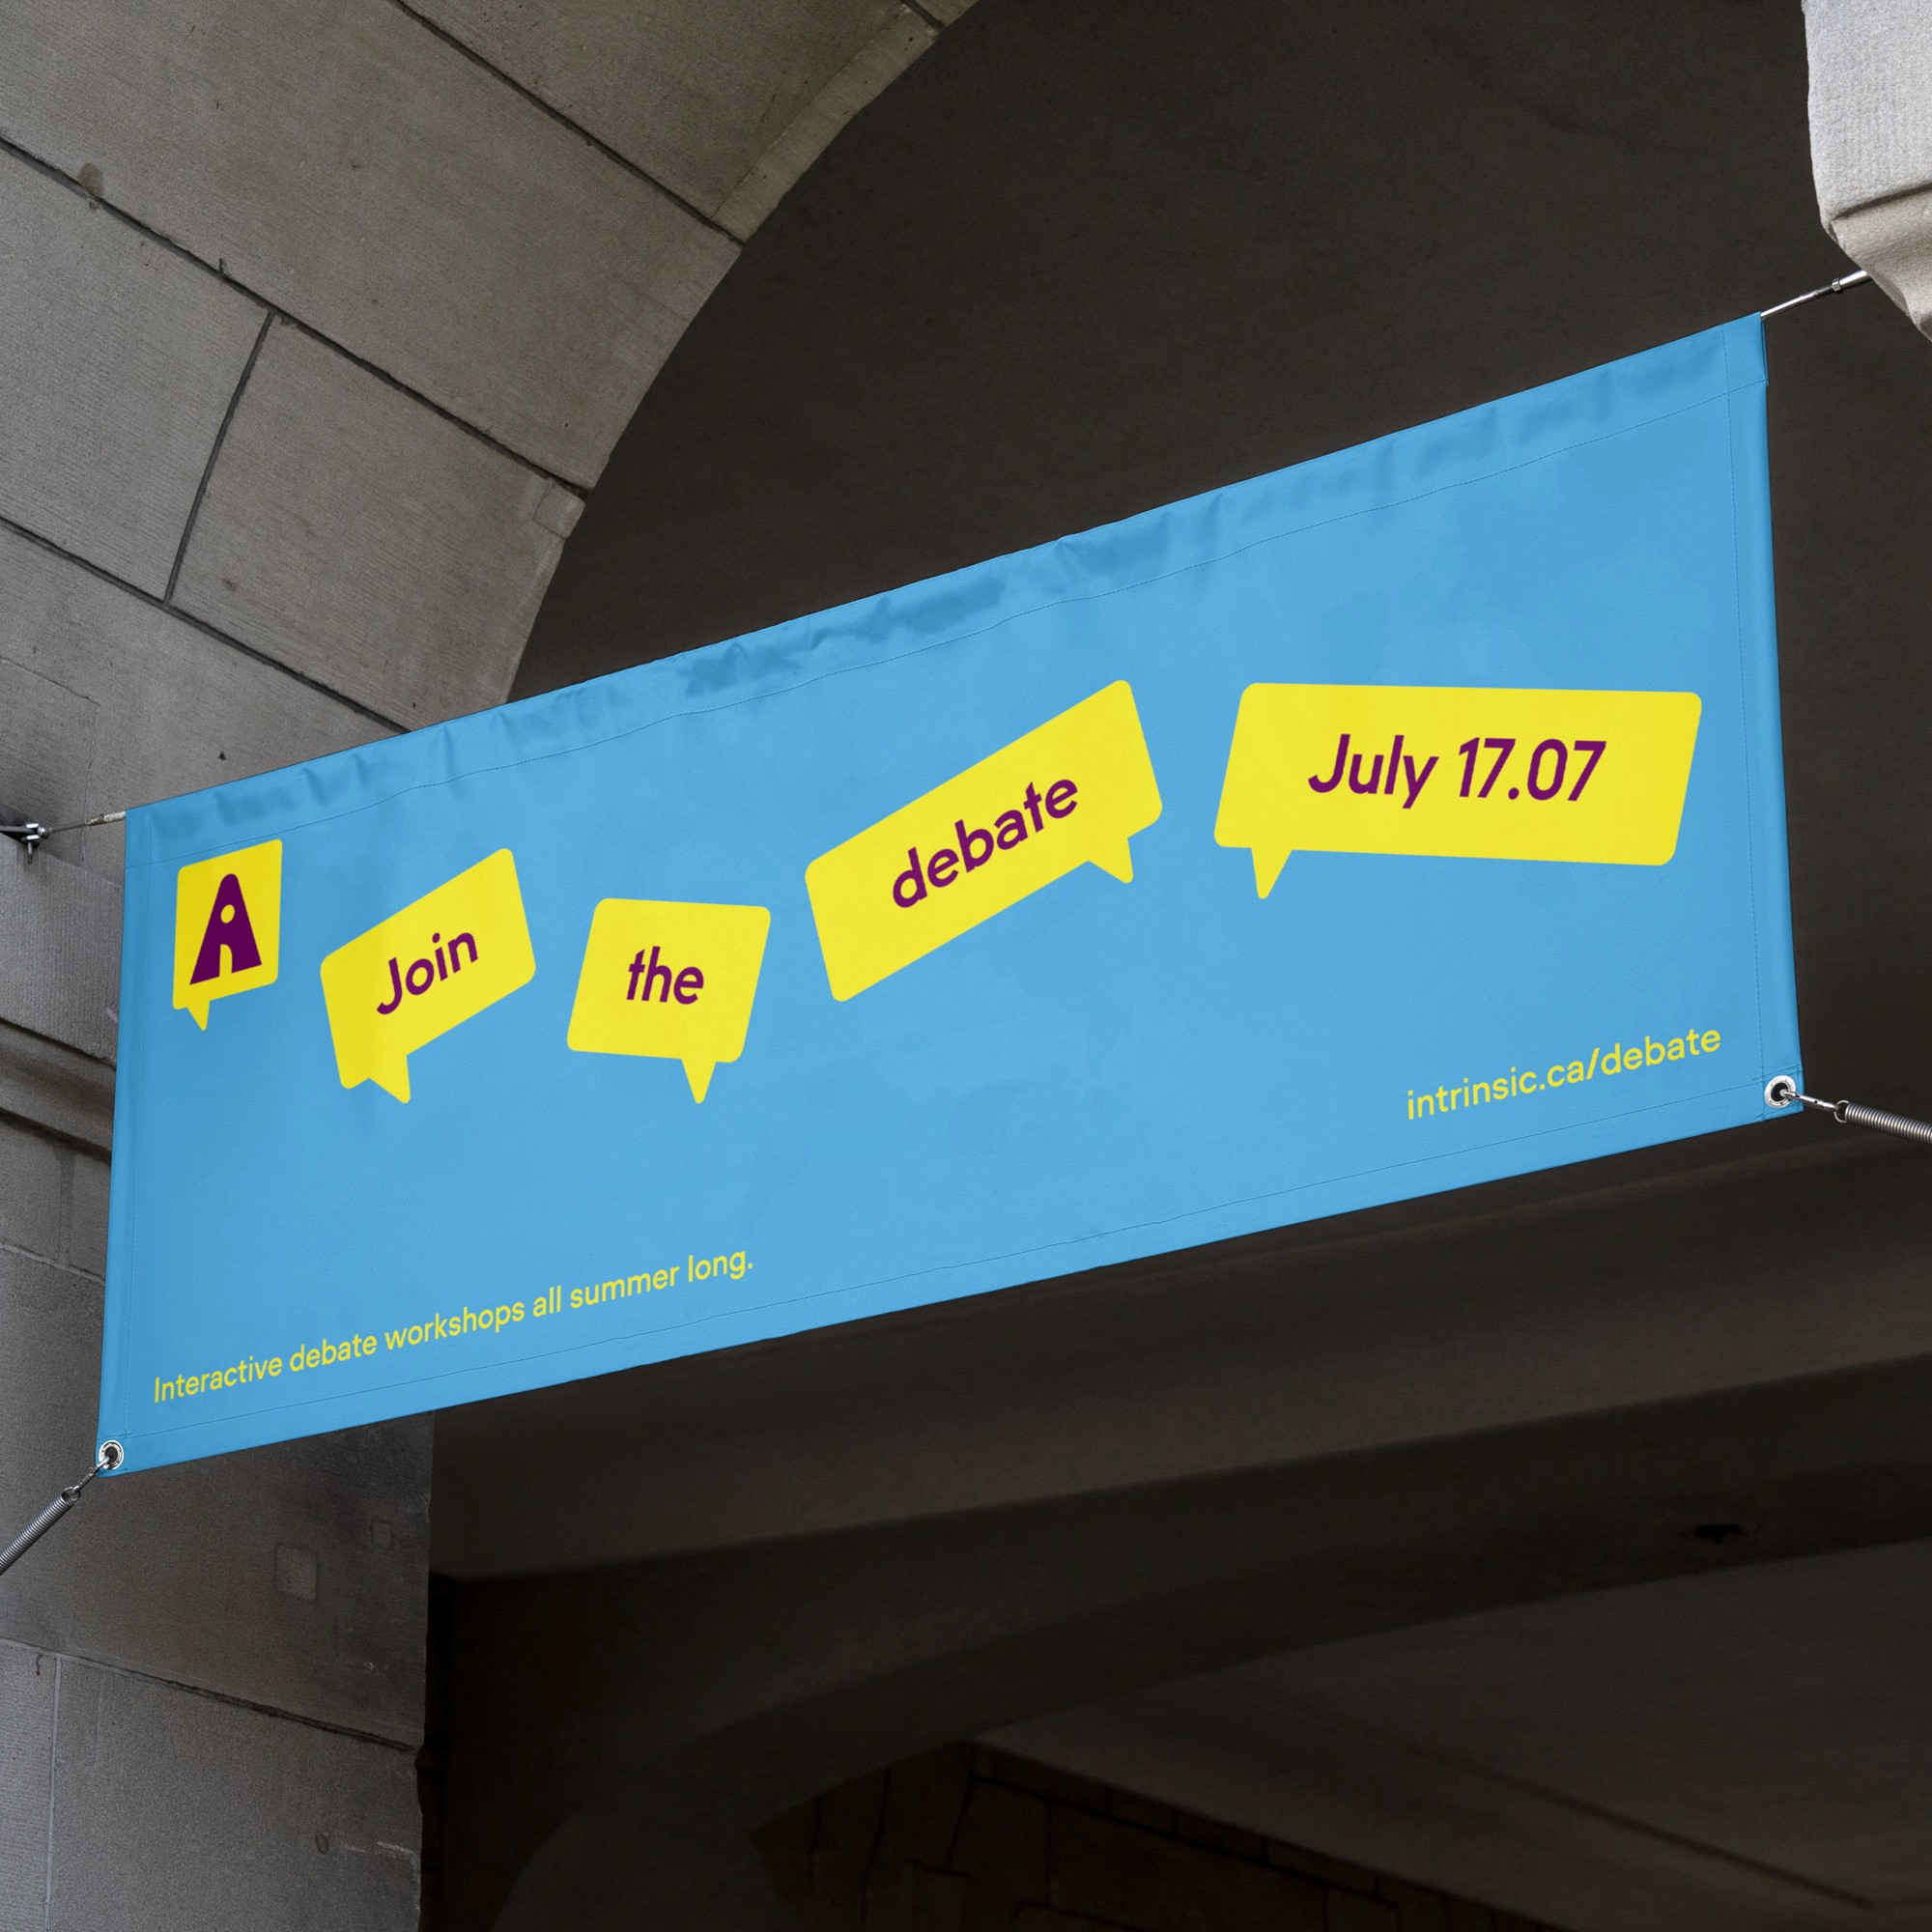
x=110, y=1456
x=1780, y=1091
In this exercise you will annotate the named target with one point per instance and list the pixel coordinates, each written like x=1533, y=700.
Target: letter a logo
x=228, y=926
x=230, y=930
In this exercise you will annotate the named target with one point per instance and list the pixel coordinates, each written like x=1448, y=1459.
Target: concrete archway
x=317, y=325
x=801, y=1563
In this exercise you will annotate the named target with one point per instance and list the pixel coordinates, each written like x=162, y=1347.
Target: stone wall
x=317, y=325
x=970, y=1840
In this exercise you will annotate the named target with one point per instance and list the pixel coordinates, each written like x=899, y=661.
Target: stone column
x=1871, y=139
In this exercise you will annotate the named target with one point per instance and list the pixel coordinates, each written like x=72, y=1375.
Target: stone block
x=354, y=168
x=1001, y=1848
x=33, y=1190
x=26, y=1764
x=177, y=1812
x=365, y=541
x=200, y=1539
x=1099, y=1868
x=872, y=68
x=51, y=1317
x=941, y=1902
x=298, y=1572
x=848, y=1828
x=1871, y=141
x=47, y=746
x=924, y=1796
x=694, y=96
x=60, y=950
x=174, y=709
x=1870, y=101
x=116, y=360
x=56, y=1088
x=87, y=1214
x=1893, y=240
x=785, y=1848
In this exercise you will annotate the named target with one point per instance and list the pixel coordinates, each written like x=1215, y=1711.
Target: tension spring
x=107, y=1459
x=1784, y=1089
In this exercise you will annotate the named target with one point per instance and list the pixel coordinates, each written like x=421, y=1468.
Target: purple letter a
x=227, y=925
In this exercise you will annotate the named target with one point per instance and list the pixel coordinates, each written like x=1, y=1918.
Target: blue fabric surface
x=1105, y=1070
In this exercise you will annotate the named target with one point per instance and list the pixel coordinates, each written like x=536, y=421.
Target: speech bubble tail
x=698, y=1072
x=199, y=1008
x=1267, y=870
x=1122, y=868
x=393, y=1079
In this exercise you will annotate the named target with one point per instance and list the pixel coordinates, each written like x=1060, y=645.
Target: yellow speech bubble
x=1071, y=791
x=425, y=970
x=669, y=979
x=1592, y=777
x=228, y=926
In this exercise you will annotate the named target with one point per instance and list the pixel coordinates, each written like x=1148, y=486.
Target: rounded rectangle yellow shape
x=424, y=970
x=228, y=926
x=1453, y=772
x=669, y=979
x=1071, y=792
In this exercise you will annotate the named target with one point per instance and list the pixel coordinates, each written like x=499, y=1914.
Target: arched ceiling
x=1091, y=257
x=1084, y=259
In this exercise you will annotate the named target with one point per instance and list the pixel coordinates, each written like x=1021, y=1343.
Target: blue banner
x=1398, y=821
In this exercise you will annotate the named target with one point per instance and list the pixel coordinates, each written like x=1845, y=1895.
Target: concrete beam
x=1714, y=1753
x=1215, y=1746
x=728, y=1686
x=1487, y=1309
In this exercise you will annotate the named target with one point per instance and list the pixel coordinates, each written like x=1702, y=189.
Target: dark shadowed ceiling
x=1091, y=256
x=1084, y=258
